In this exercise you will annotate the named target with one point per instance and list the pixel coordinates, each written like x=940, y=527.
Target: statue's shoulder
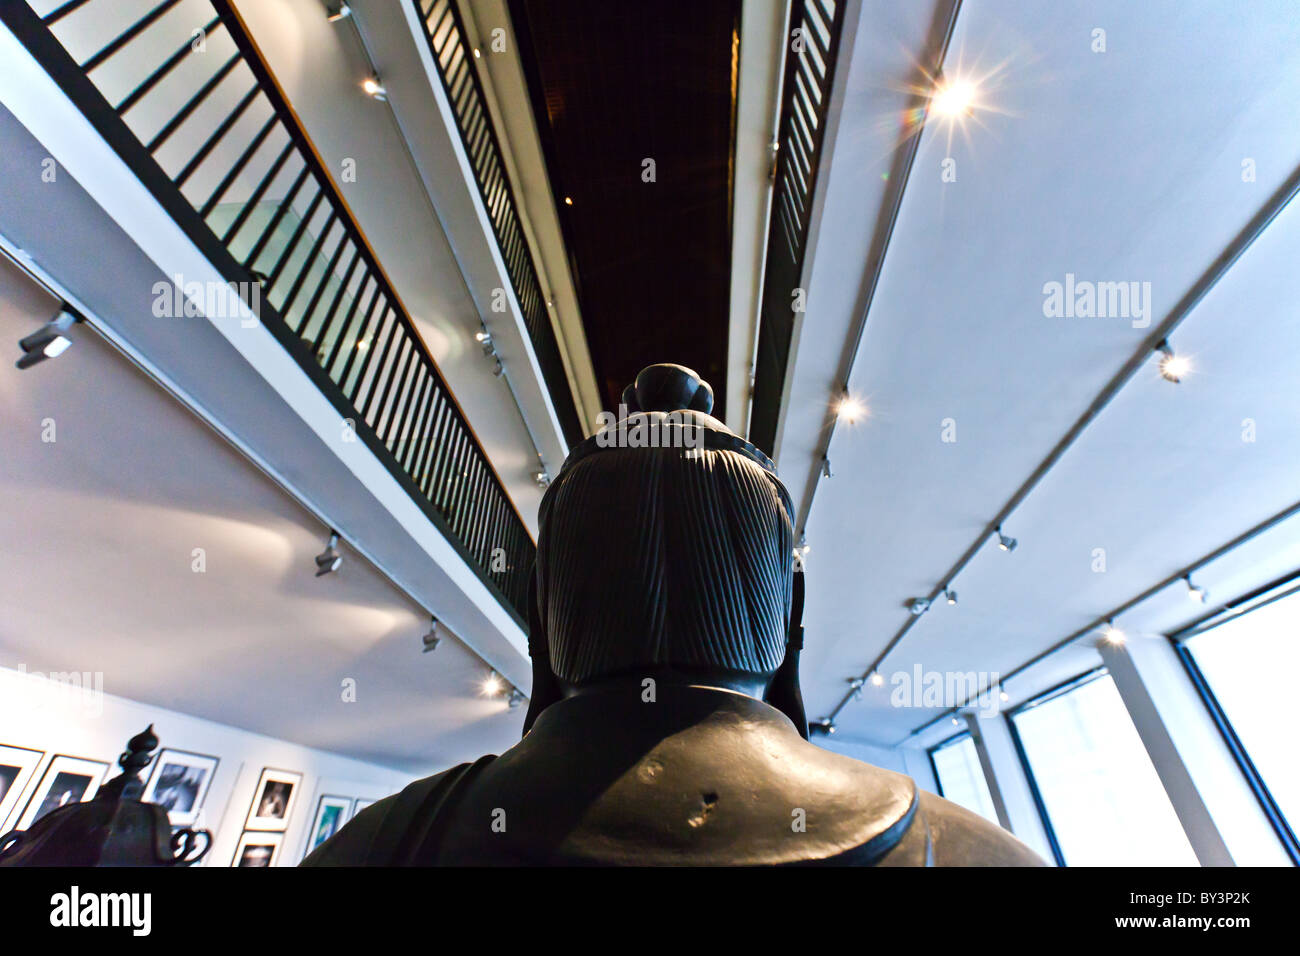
x=383, y=831
x=959, y=837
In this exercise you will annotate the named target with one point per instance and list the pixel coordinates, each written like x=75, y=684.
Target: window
x=1243, y=664
x=961, y=778
x=1101, y=799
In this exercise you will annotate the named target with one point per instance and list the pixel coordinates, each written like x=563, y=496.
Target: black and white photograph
x=257, y=849
x=179, y=782
x=17, y=767
x=273, y=800
x=65, y=780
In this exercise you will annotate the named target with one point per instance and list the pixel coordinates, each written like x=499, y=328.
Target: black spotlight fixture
x=432, y=638
x=1005, y=543
x=329, y=559
x=49, y=341
x=824, y=726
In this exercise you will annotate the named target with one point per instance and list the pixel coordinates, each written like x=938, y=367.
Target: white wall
x=40, y=714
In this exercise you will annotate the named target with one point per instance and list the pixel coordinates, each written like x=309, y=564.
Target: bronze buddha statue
x=666, y=725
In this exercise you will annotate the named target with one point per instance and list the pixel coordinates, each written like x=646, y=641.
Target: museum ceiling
x=635, y=105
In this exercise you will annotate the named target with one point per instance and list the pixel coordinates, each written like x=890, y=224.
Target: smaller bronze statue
x=114, y=829
x=666, y=724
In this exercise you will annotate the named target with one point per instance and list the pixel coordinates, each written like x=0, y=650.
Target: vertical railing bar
x=174, y=124
x=238, y=168
x=126, y=37
x=274, y=222
x=394, y=332
x=361, y=337
x=331, y=272
x=216, y=137
x=319, y=339
x=308, y=262
x=154, y=78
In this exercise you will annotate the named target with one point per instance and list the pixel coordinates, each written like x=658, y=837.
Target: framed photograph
x=359, y=804
x=273, y=800
x=67, y=780
x=179, y=784
x=257, y=848
x=331, y=814
x=17, y=767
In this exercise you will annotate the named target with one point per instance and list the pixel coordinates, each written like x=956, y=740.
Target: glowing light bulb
x=953, y=98
x=850, y=409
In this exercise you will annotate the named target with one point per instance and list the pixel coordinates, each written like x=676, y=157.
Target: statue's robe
x=699, y=776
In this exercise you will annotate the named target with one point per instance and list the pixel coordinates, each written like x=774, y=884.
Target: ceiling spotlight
x=956, y=722
x=1113, y=635
x=918, y=605
x=432, y=639
x=1196, y=592
x=803, y=547
x=1005, y=543
x=1172, y=367
x=47, y=342
x=950, y=596
x=850, y=409
x=568, y=200
x=824, y=726
x=516, y=698
x=342, y=13
x=374, y=88
x=543, y=480
x=953, y=98
x=1003, y=696
x=877, y=678
x=484, y=338
x=329, y=559
x=492, y=685
x=826, y=466
x=499, y=369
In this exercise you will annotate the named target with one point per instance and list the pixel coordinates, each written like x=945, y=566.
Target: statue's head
x=665, y=543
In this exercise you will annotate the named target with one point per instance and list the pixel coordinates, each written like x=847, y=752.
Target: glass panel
x=961, y=778
x=1103, y=798
x=1248, y=663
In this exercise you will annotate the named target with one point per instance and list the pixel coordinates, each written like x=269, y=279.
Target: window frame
x=951, y=741
x=1275, y=590
x=1057, y=690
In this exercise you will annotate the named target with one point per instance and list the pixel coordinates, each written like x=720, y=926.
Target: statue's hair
x=673, y=557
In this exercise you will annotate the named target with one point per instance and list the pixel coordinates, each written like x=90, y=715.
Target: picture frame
x=359, y=804
x=17, y=767
x=273, y=800
x=179, y=782
x=331, y=813
x=66, y=780
x=257, y=848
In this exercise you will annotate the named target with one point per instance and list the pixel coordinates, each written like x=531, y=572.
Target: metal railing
x=809, y=71
x=454, y=58
x=184, y=98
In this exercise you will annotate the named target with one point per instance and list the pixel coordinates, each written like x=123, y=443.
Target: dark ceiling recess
x=613, y=84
